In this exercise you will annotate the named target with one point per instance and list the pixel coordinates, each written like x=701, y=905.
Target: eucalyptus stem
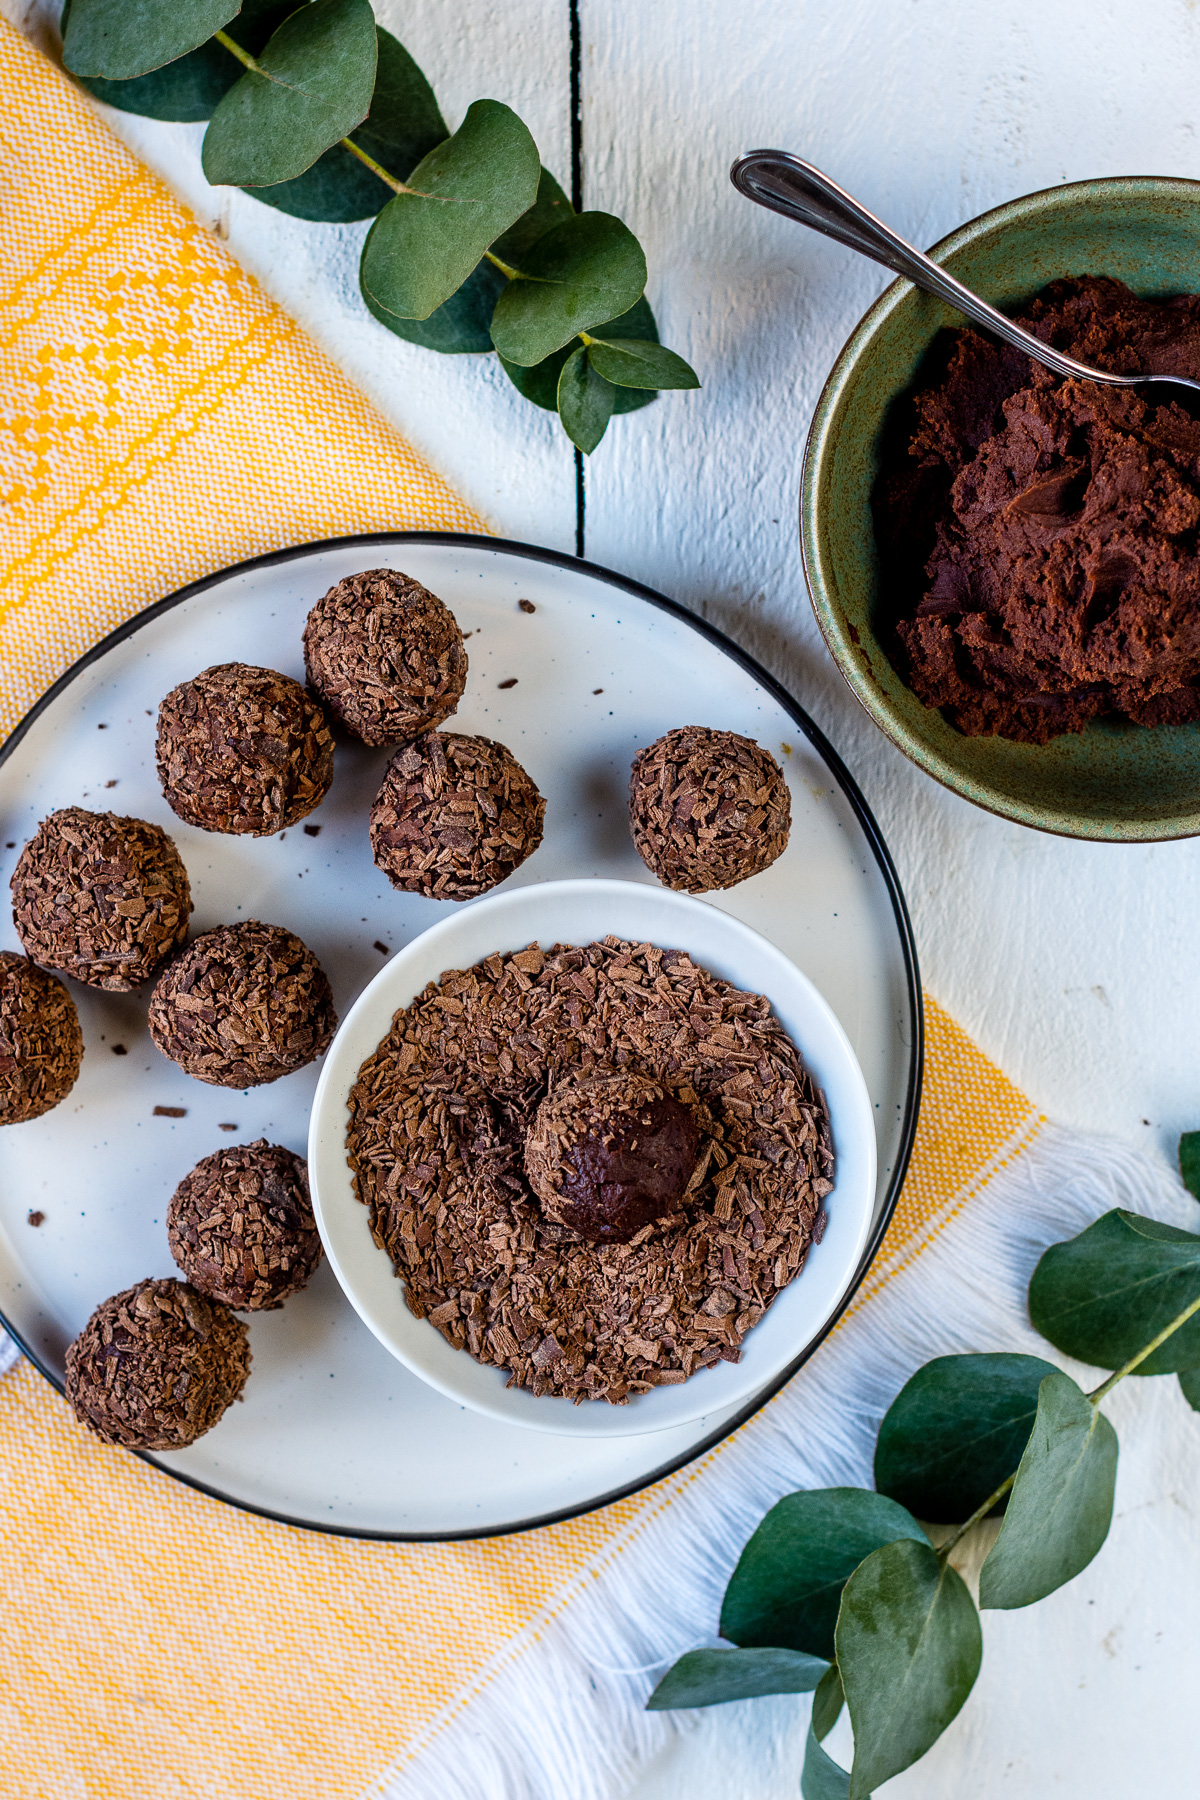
x=981, y=1512
x=504, y=268
x=252, y=63
x=1094, y=1398
x=1128, y=1368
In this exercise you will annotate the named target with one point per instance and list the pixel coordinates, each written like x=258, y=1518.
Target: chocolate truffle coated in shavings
x=386, y=656
x=41, y=1045
x=241, y=1226
x=243, y=1005
x=609, y=1155
x=707, y=808
x=243, y=750
x=454, y=817
x=439, y=1117
x=102, y=898
x=156, y=1366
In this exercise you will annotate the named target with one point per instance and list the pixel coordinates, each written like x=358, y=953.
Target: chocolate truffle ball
x=608, y=1155
x=41, y=1045
x=243, y=750
x=241, y=1226
x=386, y=656
x=707, y=808
x=156, y=1366
x=454, y=817
x=244, y=1004
x=102, y=898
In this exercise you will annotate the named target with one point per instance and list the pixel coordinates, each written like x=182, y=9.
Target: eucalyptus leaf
x=821, y=1778
x=549, y=209
x=1061, y=1502
x=714, y=1677
x=788, y=1582
x=118, y=40
x=403, y=125
x=313, y=85
x=909, y=1647
x=540, y=383
x=585, y=402
x=589, y=269
x=189, y=89
x=1189, y=1161
x=1189, y=1382
x=955, y=1431
x=470, y=190
x=828, y=1702
x=640, y=365
x=459, y=327
x=1104, y=1295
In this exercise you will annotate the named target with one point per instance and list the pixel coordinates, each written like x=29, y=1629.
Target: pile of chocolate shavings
x=438, y=1120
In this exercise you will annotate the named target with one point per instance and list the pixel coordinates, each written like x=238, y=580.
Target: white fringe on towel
x=559, y=1713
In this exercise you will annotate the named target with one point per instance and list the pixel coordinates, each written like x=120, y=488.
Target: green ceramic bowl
x=1114, y=781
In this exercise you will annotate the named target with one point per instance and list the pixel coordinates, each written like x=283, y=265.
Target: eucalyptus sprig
x=474, y=248
x=842, y=1592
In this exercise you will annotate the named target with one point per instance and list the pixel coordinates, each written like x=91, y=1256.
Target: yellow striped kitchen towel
x=160, y=419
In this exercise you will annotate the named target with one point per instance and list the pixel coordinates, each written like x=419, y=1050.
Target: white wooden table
x=1077, y=967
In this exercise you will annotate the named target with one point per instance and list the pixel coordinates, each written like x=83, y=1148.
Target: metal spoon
x=785, y=184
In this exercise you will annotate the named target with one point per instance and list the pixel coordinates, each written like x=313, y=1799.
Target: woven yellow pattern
x=159, y=418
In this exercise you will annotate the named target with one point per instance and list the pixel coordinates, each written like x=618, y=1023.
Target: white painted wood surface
x=1077, y=967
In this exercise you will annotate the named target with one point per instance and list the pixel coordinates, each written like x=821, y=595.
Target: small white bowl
x=580, y=912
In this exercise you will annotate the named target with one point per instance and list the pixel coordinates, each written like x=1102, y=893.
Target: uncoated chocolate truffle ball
x=241, y=1226
x=454, y=817
x=386, y=656
x=608, y=1155
x=41, y=1045
x=243, y=750
x=244, y=1004
x=707, y=808
x=99, y=897
x=156, y=1366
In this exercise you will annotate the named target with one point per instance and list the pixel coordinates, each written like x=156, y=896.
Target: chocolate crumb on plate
x=170, y=1112
x=36, y=1218
x=156, y=1366
x=241, y=1226
x=312, y=831
x=243, y=750
x=707, y=808
x=119, y=1050
x=102, y=898
x=41, y=1045
x=440, y=1116
x=227, y=1125
x=243, y=1005
x=386, y=656
x=382, y=948
x=527, y=606
x=510, y=683
x=454, y=817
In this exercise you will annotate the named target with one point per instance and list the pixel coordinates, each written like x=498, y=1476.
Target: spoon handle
x=785, y=184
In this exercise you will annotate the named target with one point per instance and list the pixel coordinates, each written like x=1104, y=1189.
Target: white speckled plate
x=334, y=1433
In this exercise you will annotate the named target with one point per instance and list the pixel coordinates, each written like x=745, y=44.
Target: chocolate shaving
x=243, y=1005
x=455, y=815
x=100, y=898
x=170, y=1112
x=241, y=1226
x=41, y=1045
x=438, y=1120
x=243, y=750
x=156, y=1366
x=386, y=656
x=707, y=808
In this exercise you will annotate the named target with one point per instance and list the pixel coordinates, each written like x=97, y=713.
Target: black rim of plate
x=879, y=849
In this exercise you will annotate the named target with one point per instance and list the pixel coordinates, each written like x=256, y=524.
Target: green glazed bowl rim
x=837, y=630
